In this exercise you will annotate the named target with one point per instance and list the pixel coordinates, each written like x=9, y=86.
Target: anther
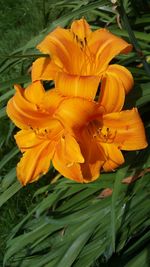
x=85, y=40
x=63, y=136
x=81, y=42
x=77, y=39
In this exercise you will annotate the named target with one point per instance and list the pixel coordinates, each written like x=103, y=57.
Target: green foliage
x=66, y=223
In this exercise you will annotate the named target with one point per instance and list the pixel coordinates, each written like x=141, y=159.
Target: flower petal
x=82, y=171
x=36, y=159
x=75, y=85
x=51, y=100
x=130, y=133
x=92, y=155
x=61, y=47
x=23, y=113
x=122, y=75
x=116, y=82
x=34, y=92
x=76, y=112
x=112, y=94
x=81, y=29
x=69, y=149
x=27, y=139
x=113, y=156
x=26, y=114
x=106, y=46
x=72, y=172
x=44, y=69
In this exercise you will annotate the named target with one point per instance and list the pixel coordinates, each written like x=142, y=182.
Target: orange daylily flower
x=78, y=135
x=101, y=135
x=79, y=62
x=41, y=136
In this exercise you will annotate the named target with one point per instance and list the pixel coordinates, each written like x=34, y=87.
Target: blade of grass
x=116, y=189
x=13, y=189
x=132, y=37
x=9, y=156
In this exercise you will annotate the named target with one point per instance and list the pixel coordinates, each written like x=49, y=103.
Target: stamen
x=85, y=40
x=88, y=64
x=102, y=134
x=63, y=136
x=77, y=38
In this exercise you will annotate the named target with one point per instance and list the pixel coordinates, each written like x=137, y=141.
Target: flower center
x=101, y=133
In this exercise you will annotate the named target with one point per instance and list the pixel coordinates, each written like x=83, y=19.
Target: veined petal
x=44, y=69
x=72, y=172
x=52, y=98
x=130, y=133
x=113, y=156
x=34, y=92
x=76, y=112
x=86, y=171
x=92, y=155
x=54, y=131
x=78, y=86
x=106, y=46
x=26, y=114
x=122, y=75
x=81, y=29
x=69, y=149
x=112, y=94
x=35, y=162
x=23, y=113
x=61, y=47
x=27, y=139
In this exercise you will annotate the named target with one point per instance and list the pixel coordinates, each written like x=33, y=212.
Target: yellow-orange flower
x=100, y=134
x=79, y=62
x=80, y=136
x=41, y=136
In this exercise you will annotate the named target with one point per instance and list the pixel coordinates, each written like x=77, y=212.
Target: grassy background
x=67, y=224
